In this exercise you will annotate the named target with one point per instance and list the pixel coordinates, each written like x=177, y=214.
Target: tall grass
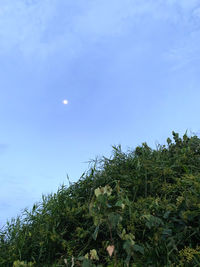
x=136, y=208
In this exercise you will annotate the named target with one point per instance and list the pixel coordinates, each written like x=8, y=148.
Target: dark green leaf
x=138, y=248
x=95, y=232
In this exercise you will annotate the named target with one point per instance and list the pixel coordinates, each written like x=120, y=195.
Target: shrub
x=139, y=208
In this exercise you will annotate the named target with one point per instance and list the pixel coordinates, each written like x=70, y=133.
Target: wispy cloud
x=186, y=53
x=22, y=23
x=43, y=27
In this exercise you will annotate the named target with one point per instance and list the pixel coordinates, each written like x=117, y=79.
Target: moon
x=65, y=101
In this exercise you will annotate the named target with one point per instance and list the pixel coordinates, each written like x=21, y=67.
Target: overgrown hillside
x=139, y=208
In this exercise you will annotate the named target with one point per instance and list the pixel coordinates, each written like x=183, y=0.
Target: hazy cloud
x=29, y=26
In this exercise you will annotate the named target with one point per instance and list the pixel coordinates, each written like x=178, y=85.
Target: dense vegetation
x=139, y=208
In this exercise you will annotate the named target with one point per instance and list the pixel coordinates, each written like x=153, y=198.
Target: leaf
x=152, y=221
x=93, y=255
x=139, y=249
x=86, y=263
x=102, y=199
x=166, y=215
x=120, y=204
x=110, y=250
x=127, y=246
x=167, y=232
x=97, y=192
x=107, y=190
x=114, y=219
x=94, y=235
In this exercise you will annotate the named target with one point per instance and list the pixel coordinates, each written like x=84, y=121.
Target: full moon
x=65, y=101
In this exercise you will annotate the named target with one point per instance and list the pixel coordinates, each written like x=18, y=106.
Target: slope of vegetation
x=139, y=208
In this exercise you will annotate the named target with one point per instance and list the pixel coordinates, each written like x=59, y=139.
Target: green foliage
x=140, y=208
x=22, y=264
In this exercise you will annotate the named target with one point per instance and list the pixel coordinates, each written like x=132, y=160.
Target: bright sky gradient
x=130, y=70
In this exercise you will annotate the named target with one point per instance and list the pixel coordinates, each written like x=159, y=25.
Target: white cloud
x=187, y=49
x=41, y=28
x=185, y=4
x=22, y=24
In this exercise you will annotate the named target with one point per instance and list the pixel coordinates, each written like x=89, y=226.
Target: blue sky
x=130, y=70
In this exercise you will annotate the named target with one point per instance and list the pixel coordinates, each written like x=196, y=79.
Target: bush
x=139, y=208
